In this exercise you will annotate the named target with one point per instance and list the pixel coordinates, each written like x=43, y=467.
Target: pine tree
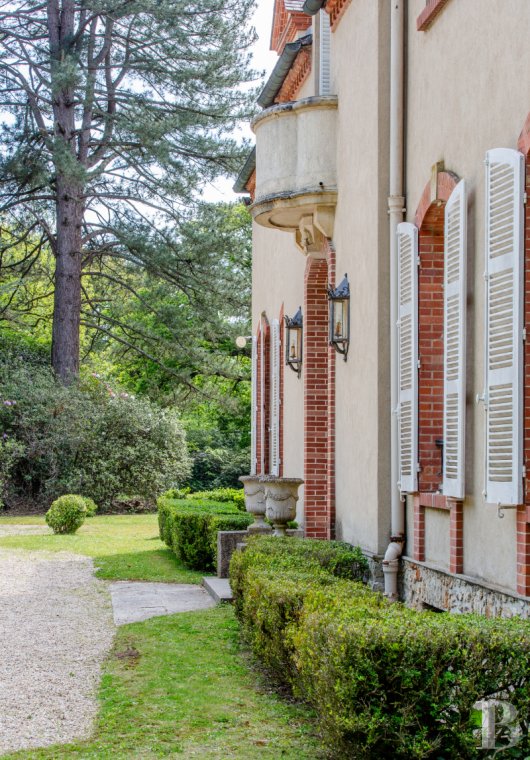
x=114, y=113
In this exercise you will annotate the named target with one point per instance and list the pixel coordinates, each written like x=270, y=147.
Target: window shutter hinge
x=524, y=471
x=525, y=198
x=524, y=333
x=419, y=363
x=418, y=262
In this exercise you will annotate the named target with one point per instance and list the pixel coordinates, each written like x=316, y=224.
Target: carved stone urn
x=255, y=502
x=281, y=495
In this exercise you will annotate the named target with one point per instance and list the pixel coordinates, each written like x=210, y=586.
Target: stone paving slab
x=134, y=601
x=218, y=588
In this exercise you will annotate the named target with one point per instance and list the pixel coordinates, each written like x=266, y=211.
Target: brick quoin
x=523, y=512
x=317, y=500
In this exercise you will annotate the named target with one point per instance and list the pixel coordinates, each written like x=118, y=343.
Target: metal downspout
x=396, y=203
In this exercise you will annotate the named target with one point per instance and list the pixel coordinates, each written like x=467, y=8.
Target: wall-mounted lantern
x=293, y=341
x=339, y=317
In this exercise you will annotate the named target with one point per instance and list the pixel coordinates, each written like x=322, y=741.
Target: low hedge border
x=385, y=681
x=190, y=527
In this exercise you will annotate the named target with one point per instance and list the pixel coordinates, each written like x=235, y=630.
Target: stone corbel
x=312, y=227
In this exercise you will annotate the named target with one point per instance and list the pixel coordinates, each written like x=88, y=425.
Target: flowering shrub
x=66, y=514
x=84, y=438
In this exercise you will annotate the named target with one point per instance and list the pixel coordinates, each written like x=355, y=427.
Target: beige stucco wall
x=278, y=278
x=361, y=239
x=361, y=242
x=468, y=91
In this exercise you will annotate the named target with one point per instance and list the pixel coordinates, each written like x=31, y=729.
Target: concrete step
x=218, y=588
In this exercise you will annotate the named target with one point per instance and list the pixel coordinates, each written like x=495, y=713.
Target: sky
x=263, y=59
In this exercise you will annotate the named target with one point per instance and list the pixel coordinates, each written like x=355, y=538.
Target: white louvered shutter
x=504, y=326
x=254, y=406
x=455, y=294
x=324, y=85
x=275, y=397
x=408, y=355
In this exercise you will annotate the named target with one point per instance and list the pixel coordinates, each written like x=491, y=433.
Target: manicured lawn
x=178, y=686
x=124, y=547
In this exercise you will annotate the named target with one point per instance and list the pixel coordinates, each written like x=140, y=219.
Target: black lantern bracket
x=339, y=317
x=293, y=341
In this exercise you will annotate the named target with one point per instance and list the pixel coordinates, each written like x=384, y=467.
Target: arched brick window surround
x=430, y=220
x=319, y=398
x=523, y=512
x=263, y=397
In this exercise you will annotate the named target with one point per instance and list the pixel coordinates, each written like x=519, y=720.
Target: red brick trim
x=296, y=77
x=316, y=353
x=419, y=530
x=336, y=9
x=332, y=364
x=456, y=536
x=263, y=397
x=285, y=25
x=434, y=501
x=429, y=13
x=523, y=551
x=445, y=184
x=251, y=185
x=523, y=143
x=259, y=401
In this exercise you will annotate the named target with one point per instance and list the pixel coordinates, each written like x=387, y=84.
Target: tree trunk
x=67, y=299
x=69, y=201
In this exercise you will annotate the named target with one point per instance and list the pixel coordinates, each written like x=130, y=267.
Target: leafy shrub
x=90, y=506
x=190, y=528
x=67, y=513
x=386, y=681
x=221, y=467
x=85, y=438
x=235, y=495
x=10, y=452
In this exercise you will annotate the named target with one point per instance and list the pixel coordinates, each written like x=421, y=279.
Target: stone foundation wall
x=421, y=586
x=375, y=577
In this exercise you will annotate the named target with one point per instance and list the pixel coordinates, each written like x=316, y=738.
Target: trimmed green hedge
x=234, y=495
x=190, y=528
x=385, y=681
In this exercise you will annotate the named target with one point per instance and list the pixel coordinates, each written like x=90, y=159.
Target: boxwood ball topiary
x=66, y=514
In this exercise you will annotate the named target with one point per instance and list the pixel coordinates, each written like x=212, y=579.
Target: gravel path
x=56, y=628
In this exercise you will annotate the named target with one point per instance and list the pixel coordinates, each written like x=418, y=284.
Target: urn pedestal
x=255, y=502
x=281, y=495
